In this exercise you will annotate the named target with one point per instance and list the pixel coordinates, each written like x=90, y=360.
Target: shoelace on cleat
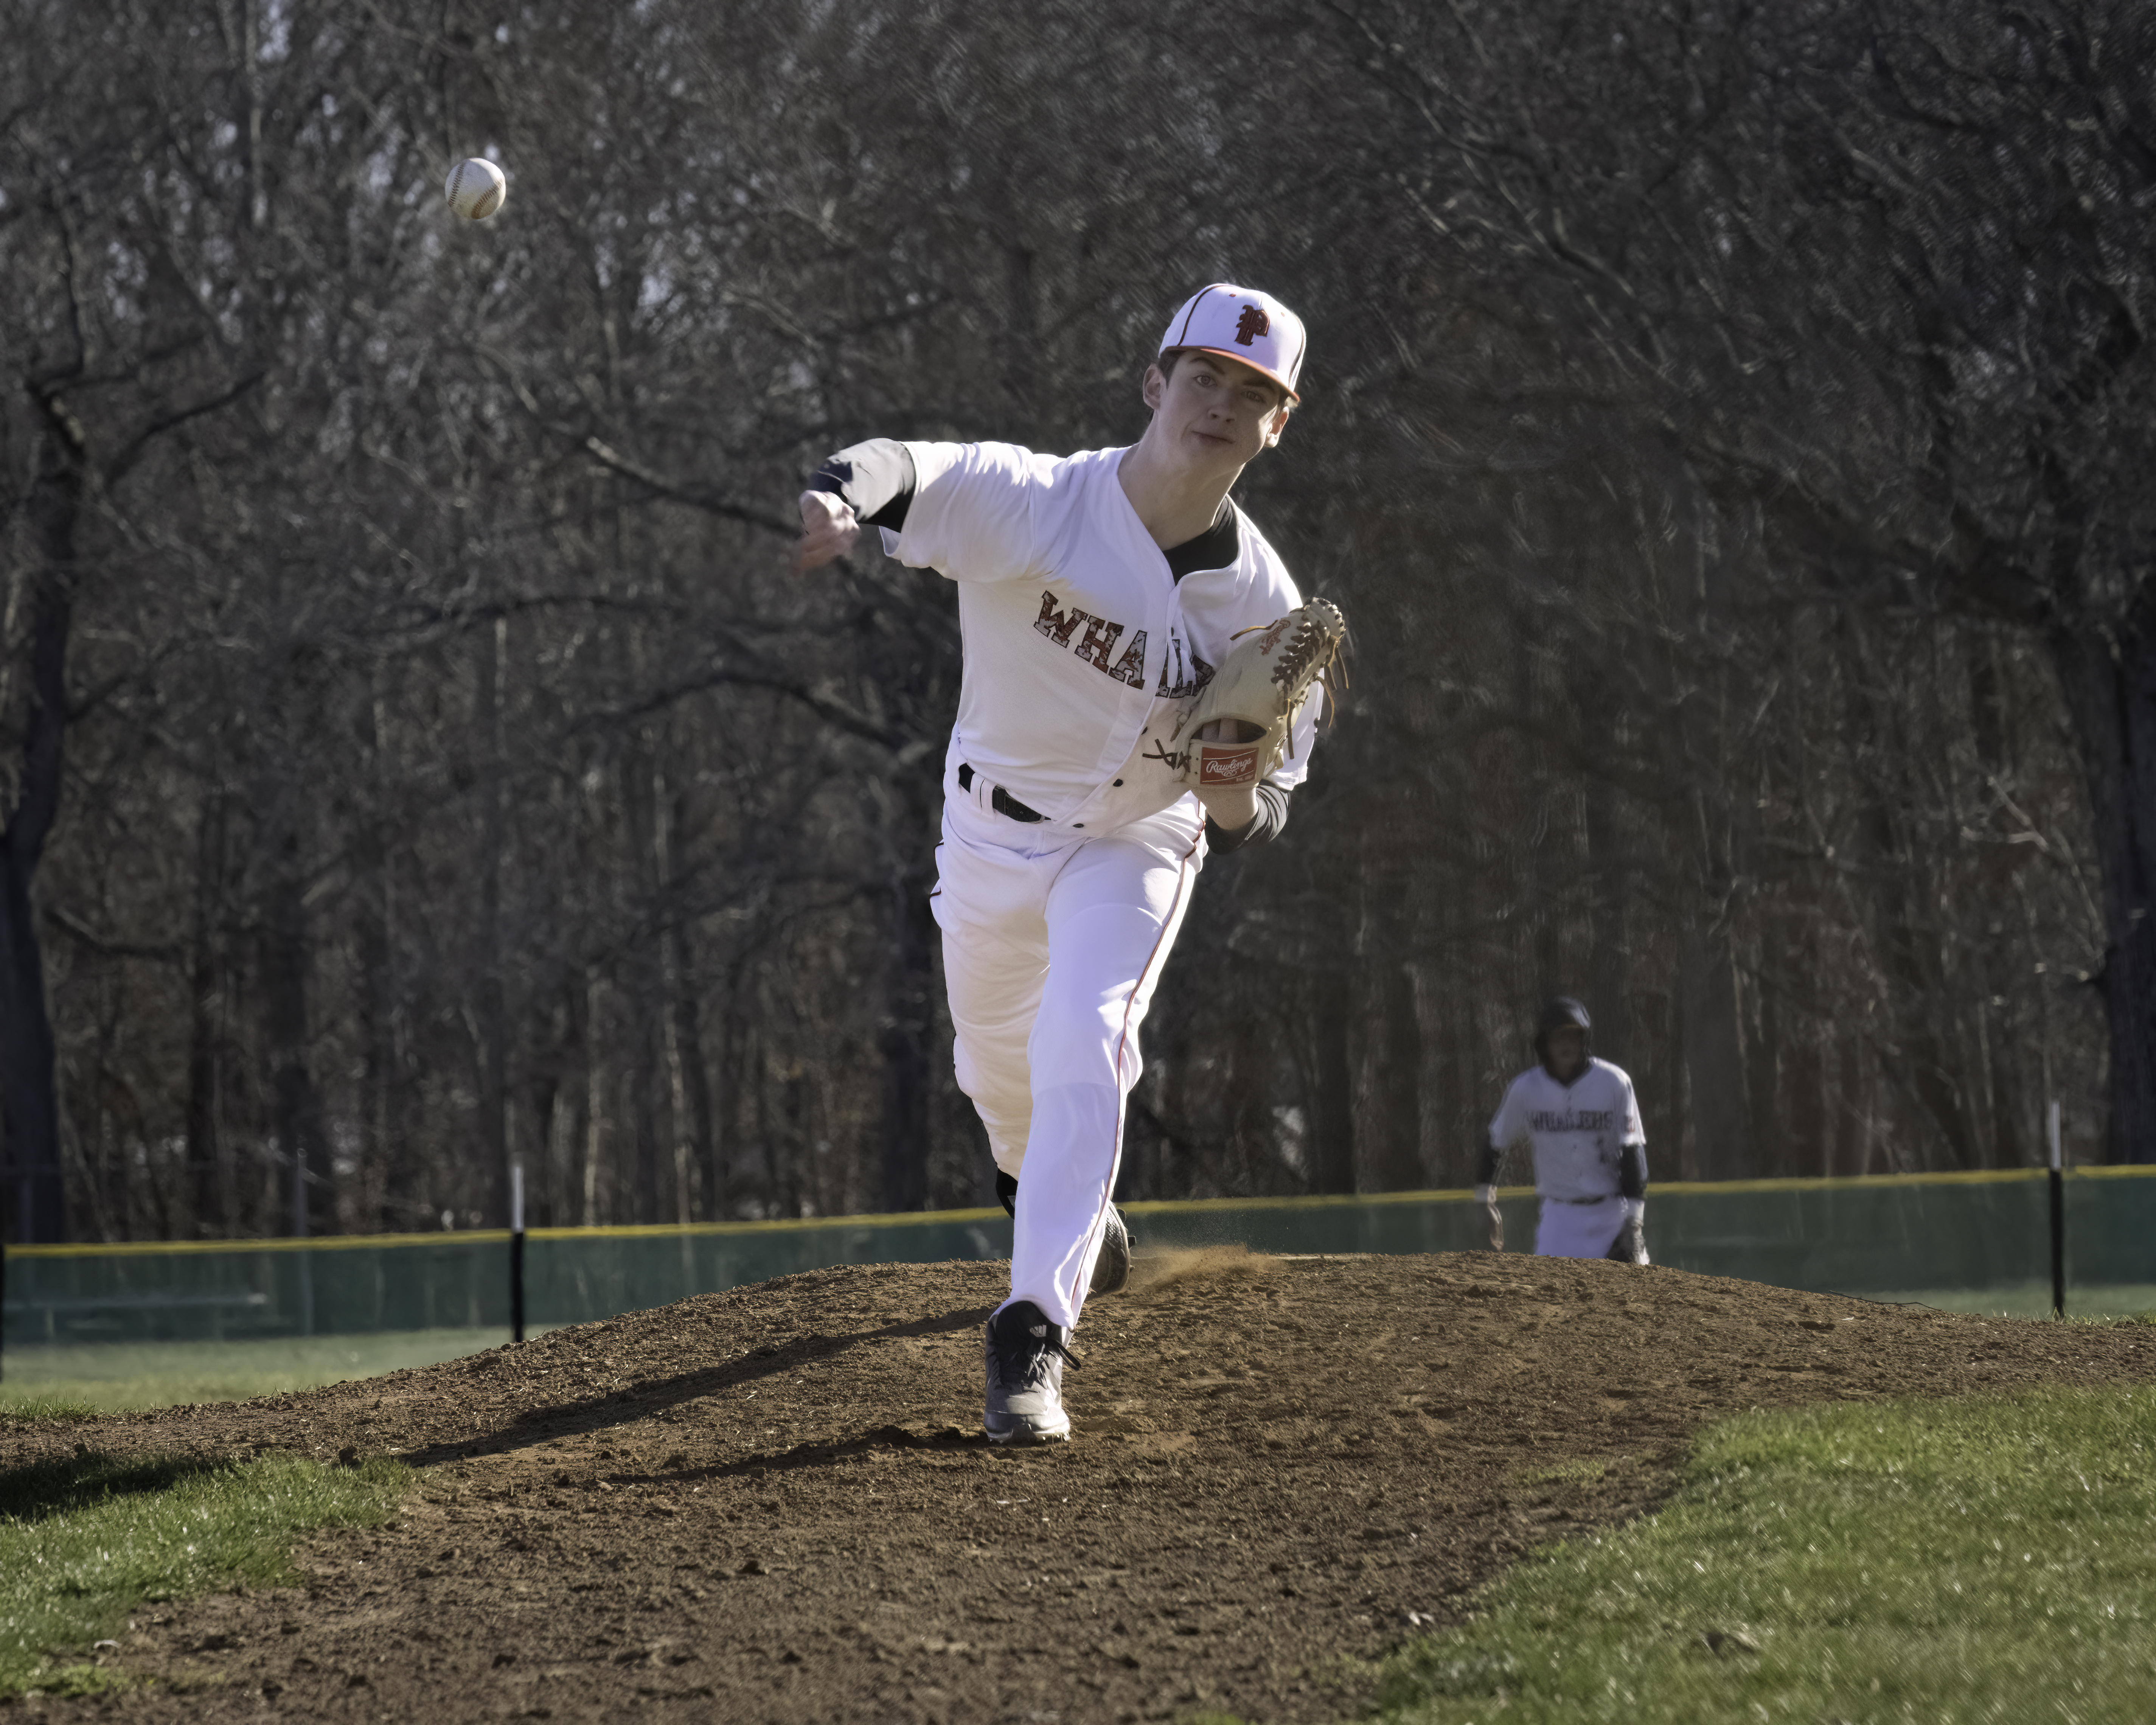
x=1030, y=1351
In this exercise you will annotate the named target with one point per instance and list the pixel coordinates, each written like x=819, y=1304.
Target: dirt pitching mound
x=773, y=1503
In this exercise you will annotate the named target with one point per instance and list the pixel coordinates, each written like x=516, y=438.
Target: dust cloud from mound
x=1152, y=1272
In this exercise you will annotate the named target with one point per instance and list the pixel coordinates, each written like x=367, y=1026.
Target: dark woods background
x=1729, y=432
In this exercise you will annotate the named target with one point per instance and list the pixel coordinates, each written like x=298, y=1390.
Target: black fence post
x=516, y=1252
x=2058, y=1222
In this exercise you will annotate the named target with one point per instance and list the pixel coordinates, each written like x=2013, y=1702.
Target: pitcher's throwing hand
x=829, y=530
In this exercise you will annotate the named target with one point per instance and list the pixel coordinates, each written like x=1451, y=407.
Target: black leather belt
x=1000, y=800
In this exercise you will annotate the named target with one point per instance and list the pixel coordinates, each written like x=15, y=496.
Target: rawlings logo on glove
x=1235, y=731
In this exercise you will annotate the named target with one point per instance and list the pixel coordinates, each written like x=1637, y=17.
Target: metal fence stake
x=516, y=1252
x=2058, y=1222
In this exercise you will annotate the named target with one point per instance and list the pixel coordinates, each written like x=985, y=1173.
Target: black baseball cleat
x=1025, y=1355
x=1112, y=1268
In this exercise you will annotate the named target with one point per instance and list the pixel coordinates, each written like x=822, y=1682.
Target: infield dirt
x=774, y=1503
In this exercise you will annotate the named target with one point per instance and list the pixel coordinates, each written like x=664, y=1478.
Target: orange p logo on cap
x=1241, y=323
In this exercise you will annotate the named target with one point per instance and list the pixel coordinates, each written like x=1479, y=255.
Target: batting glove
x=1630, y=1246
x=1493, y=1224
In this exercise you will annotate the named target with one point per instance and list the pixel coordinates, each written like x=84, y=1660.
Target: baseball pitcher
x=1137, y=674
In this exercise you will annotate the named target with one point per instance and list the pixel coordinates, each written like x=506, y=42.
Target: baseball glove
x=1630, y=1246
x=1235, y=729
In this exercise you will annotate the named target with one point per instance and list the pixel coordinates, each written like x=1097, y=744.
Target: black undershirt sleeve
x=1486, y=1165
x=1264, y=827
x=876, y=479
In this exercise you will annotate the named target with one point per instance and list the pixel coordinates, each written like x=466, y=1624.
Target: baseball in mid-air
x=475, y=188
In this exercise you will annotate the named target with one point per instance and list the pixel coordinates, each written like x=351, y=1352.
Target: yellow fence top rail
x=916, y=1218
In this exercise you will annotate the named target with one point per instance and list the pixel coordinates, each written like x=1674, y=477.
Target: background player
x=1095, y=594
x=1590, y=1153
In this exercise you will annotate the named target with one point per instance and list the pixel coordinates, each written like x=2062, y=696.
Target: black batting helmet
x=1561, y=1014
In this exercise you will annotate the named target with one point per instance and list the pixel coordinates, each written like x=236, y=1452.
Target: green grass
x=113, y=1376
x=2033, y=1299
x=1971, y=1561
x=85, y=1541
x=1561, y=1473
x=48, y=1407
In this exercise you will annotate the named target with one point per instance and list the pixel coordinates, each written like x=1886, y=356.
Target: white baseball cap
x=1241, y=323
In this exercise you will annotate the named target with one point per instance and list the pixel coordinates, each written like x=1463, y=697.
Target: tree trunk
x=1391, y=1082
x=493, y=1007
x=1723, y=1149
x=388, y=1147
x=726, y=1106
x=1333, y=1158
x=1766, y=1091
x=644, y=976
x=1805, y=1124
x=905, y=1039
x=29, y=1102
x=206, y=1150
x=1609, y=960
x=1852, y=1114
x=696, y=1132
x=1714, y=1056
x=2108, y=676
x=688, y=1088
x=1910, y=954
x=701, y=1163
x=590, y=1003
x=1438, y=1147
x=1540, y=871
x=296, y=1105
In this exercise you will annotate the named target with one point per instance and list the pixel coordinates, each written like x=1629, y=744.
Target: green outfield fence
x=1971, y=1232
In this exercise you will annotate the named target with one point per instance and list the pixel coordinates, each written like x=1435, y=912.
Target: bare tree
x=422, y=763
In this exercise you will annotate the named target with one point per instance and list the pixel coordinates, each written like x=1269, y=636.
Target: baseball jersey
x=1581, y=1132
x=1079, y=643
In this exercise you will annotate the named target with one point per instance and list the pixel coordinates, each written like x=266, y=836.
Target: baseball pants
x=1578, y=1230
x=1053, y=944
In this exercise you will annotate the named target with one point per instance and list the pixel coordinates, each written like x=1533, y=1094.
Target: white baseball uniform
x=1584, y=1133
x=1080, y=644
